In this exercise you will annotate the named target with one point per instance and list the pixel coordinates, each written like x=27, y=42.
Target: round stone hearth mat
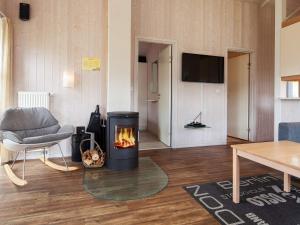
x=147, y=180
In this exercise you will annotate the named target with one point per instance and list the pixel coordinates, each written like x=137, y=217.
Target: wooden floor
x=53, y=197
x=234, y=141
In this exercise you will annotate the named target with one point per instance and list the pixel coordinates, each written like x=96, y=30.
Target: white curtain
x=6, y=79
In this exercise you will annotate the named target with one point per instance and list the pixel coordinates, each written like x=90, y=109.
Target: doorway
x=238, y=104
x=154, y=94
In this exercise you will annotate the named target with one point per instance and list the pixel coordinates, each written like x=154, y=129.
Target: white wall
x=143, y=95
x=203, y=27
x=290, y=111
x=289, y=52
x=119, y=55
x=55, y=39
x=198, y=26
x=285, y=110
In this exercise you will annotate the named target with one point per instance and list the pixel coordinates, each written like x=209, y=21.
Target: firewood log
x=86, y=155
x=94, y=154
x=87, y=158
x=88, y=162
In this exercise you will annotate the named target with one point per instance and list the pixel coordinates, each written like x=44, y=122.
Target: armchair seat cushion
x=46, y=138
x=63, y=133
x=11, y=136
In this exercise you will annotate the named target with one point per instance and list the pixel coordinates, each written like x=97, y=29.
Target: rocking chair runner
x=32, y=129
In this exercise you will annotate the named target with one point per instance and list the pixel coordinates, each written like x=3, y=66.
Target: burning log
x=125, y=138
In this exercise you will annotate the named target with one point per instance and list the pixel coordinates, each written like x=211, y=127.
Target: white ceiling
x=144, y=47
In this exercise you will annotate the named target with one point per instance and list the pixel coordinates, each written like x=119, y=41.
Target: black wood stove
x=122, y=140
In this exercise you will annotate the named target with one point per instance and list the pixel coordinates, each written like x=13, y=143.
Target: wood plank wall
x=61, y=32
x=3, y=6
x=206, y=27
x=58, y=35
x=265, y=74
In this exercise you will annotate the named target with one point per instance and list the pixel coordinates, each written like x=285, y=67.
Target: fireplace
x=122, y=140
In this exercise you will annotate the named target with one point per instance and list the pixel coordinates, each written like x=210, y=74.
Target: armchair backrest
x=29, y=122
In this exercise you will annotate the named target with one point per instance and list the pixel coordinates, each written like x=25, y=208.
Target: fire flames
x=125, y=138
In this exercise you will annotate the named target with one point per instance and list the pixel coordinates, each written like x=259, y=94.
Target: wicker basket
x=92, y=158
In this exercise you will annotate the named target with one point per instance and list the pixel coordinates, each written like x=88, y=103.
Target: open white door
x=164, y=90
x=142, y=96
x=238, y=97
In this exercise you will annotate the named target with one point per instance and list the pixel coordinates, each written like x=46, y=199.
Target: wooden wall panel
x=56, y=38
x=3, y=6
x=61, y=32
x=204, y=27
x=265, y=74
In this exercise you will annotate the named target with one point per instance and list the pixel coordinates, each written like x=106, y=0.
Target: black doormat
x=263, y=201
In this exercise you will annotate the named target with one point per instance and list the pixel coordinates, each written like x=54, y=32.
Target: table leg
x=287, y=182
x=236, y=178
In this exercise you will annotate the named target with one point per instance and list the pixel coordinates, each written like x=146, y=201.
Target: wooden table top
x=283, y=152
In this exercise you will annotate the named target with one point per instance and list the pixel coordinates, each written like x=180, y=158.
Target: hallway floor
x=150, y=141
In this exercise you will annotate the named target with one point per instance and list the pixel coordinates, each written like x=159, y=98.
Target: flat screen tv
x=202, y=68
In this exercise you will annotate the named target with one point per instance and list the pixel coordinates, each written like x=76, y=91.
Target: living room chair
x=32, y=129
x=289, y=131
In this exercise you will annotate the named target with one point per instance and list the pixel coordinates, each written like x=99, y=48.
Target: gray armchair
x=27, y=129
x=289, y=131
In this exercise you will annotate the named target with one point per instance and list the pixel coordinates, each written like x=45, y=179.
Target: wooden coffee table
x=283, y=156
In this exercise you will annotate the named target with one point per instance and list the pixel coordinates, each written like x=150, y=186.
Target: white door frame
x=251, y=103
x=174, y=79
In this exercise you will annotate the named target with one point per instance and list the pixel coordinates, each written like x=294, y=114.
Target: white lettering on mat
x=266, y=199
x=197, y=190
x=213, y=204
x=216, y=205
x=225, y=213
x=255, y=219
x=286, y=194
x=226, y=185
